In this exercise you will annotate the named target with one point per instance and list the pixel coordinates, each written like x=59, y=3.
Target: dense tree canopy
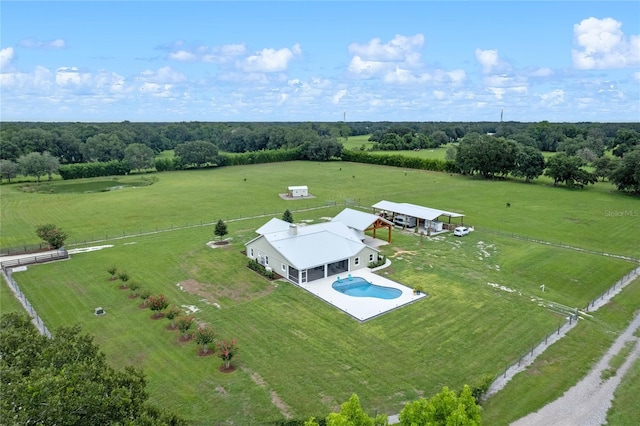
x=197, y=153
x=626, y=176
x=443, y=409
x=566, y=169
x=66, y=381
x=139, y=156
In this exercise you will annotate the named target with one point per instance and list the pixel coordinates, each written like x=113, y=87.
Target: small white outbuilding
x=298, y=191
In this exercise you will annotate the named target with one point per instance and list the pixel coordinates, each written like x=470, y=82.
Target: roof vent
x=293, y=229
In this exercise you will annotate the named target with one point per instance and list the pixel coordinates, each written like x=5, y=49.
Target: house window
x=251, y=252
x=283, y=267
x=266, y=260
x=356, y=261
x=371, y=257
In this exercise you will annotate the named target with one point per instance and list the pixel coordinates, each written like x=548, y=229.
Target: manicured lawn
x=300, y=356
x=597, y=218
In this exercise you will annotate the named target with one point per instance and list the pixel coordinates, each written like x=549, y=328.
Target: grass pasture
x=299, y=356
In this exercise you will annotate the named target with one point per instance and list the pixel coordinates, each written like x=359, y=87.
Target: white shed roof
x=413, y=210
x=316, y=244
x=291, y=188
x=356, y=219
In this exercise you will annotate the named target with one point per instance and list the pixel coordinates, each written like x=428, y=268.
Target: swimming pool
x=359, y=287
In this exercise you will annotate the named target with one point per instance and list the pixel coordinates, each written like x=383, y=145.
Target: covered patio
x=429, y=220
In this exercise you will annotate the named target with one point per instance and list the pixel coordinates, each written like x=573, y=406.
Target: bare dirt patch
x=275, y=398
x=212, y=294
x=401, y=252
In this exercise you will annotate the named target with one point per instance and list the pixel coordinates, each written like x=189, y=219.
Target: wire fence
x=94, y=239
x=572, y=319
x=558, y=244
x=32, y=248
x=612, y=291
x=13, y=285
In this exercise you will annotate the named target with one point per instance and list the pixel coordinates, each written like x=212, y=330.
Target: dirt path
x=587, y=403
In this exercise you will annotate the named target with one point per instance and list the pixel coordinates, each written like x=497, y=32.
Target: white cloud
x=270, y=60
x=6, y=56
x=397, y=50
x=457, y=76
x=393, y=60
x=555, y=97
x=603, y=45
x=542, y=72
x=32, y=43
x=339, y=95
x=182, y=55
x=71, y=76
x=488, y=59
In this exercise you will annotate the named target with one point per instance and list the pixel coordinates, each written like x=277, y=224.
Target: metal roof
x=274, y=225
x=356, y=219
x=315, y=245
x=413, y=210
x=291, y=188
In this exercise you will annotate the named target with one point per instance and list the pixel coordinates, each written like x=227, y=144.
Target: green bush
x=254, y=265
x=381, y=260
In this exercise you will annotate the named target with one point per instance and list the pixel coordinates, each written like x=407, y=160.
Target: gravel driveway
x=587, y=403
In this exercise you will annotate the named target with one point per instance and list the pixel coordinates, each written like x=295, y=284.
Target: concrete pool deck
x=361, y=308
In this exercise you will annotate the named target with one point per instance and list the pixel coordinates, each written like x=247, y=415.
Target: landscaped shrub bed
x=254, y=265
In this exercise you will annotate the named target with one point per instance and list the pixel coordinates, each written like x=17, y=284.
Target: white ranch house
x=303, y=254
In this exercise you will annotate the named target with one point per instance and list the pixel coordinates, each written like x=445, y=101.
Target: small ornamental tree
x=221, y=229
x=134, y=286
x=205, y=336
x=226, y=349
x=157, y=304
x=172, y=313
x=287, y=216
x=112, y=270
x=144, y=295
x=185, y=322
x=124, y=277
x=51, y=235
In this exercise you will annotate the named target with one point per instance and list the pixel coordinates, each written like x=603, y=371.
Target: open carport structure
x=432, y=220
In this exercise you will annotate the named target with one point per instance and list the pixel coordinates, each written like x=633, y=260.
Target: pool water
x=359, y=287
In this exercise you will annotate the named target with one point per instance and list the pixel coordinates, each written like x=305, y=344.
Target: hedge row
x=396, y=160
x=88, y=170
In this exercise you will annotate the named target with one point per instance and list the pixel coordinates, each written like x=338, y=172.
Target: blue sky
x=315, y=61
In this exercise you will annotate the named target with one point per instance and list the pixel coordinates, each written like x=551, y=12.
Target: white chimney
x=293, y=229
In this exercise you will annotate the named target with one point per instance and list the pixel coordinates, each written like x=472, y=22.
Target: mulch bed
x=203, y=353
x=133, y=296
x=224, y=369
x=123, y=287
x=171, y=327
x=183, y=339
x=142, y=306
x=157, y=316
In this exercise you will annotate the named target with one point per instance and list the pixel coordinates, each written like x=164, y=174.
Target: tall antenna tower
x=501, y=113
x=344, y=117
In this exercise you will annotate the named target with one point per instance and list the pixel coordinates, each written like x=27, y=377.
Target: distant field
x=294, y=346
x=597, y=218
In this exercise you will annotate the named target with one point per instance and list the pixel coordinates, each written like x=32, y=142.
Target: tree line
x=487, y=149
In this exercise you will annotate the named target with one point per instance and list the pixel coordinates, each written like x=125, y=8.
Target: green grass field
x=299, y=356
